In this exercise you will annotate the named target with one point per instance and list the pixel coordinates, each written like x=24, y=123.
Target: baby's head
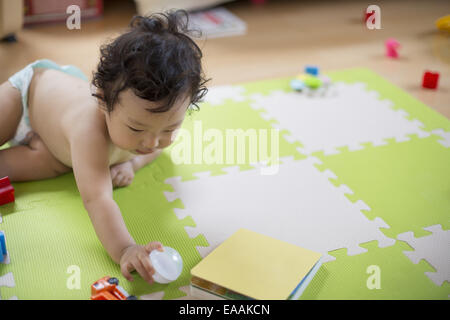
x=147, y=79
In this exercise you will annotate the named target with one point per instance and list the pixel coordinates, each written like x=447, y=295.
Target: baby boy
x=146, y=80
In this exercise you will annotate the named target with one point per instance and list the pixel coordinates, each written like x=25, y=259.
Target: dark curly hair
x=156, y=58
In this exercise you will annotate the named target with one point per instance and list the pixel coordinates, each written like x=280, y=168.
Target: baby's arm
x=122, y=174
x=90, y=165
x=140, y=161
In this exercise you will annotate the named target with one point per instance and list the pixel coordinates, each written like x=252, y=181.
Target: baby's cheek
x=164, y=143
x=174, y=135
x=171, y=138
x=119, y=138
x=167, y=140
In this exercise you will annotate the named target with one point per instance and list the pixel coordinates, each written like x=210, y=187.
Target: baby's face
x=131, y=127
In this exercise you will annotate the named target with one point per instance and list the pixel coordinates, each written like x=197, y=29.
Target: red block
x=367, y=15
x=6, y=191
x=430, y=80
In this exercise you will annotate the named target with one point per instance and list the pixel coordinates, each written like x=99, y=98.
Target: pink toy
x=391, y=48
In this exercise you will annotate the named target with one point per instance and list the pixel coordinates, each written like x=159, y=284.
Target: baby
x=146, y=81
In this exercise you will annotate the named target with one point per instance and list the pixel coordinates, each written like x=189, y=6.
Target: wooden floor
x=282, y=37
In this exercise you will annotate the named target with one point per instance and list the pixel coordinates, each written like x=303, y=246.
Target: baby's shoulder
x=87, y=122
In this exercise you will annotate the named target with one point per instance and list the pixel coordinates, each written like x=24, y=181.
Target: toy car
x=108, y=289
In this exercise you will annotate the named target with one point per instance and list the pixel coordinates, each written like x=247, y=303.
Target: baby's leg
x=10, y=111
x=30, y=162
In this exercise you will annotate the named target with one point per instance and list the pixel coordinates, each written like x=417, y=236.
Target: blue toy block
x=2, y=246
x=312, y=70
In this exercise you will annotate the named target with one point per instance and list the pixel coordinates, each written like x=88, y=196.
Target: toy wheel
x=132, y=298
x=113, y=281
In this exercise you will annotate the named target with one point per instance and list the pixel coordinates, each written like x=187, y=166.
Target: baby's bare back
x=60, y=105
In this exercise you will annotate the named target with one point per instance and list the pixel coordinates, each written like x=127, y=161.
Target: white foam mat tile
x=218, y=94
x=153, y=296
x=350, y=117
x=160, y=294
x=189, y=296
x=7, y=280
x=298, y=204
x=445, y=141
x=434, y=248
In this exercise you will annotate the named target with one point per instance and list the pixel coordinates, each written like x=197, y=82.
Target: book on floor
x=217, y=22
x=249, y=265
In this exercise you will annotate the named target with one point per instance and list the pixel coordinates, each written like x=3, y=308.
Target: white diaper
x=22, y=79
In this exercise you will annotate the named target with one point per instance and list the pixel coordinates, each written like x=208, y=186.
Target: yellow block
x=443, y=23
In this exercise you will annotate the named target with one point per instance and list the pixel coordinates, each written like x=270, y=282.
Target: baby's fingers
x=145, y=260
x=128, y=181
x=154, y=245
x=118, y=180
x=125, y=269
x=145, y=269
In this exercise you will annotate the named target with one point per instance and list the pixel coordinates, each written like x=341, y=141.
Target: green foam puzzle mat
x=398, y=168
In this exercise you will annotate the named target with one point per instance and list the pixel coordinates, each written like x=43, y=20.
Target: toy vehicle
x=108, y=289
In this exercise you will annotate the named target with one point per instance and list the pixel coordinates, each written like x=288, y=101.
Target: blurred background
x=247, y=40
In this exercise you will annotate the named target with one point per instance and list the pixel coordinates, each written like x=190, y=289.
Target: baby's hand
x=137, y=258
x=122, y=174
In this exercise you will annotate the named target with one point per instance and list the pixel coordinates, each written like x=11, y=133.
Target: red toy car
x=108, y=289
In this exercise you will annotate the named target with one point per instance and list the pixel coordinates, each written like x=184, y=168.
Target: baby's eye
x=135, y=130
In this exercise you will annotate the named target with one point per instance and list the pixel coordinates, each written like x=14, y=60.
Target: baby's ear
x=95, y=90
x=98, y=94
x=103, y=109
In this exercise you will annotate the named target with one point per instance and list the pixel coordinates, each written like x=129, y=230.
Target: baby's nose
x=151, y=142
